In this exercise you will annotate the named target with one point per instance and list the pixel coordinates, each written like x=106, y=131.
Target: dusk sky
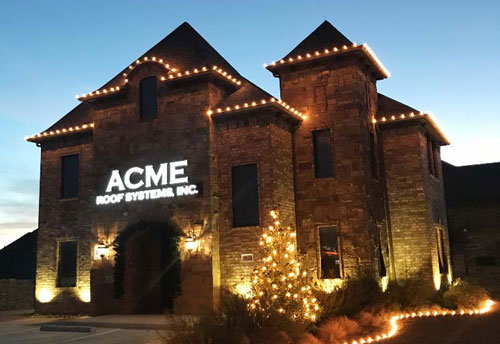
x=444, y=56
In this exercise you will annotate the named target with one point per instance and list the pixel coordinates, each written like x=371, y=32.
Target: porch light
x=101, y=252
x=191, y=243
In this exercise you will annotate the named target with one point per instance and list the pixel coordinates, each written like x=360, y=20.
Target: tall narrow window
x=323, y=155
x=430, y=156
x=66, y=267
x=329, y=249
x=443, y=262
x=149, y=97
x=373, y=155
x=245, y=195
x=435, y=158
x=69, y=176
x=381, y=262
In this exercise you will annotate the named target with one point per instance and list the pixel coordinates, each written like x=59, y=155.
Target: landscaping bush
x=464, y=295
x=235, y=324
x=410, y=292
x=355, y=294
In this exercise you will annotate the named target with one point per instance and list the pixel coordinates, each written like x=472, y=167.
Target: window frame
x=61, y=179
x=339, y=249
x=58, y=262
x=332, y=155
x=257, y=168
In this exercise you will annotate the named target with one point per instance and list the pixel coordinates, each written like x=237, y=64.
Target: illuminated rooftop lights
x=226, y=75
x=125, y=75
x=279, y=102
x=412, y=115
x=364, y=47
x=51, y=133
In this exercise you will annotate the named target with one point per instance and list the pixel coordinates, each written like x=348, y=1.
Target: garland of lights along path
x=394, y=322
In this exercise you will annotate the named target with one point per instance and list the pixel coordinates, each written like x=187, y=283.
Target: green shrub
x=463, y=295
x=235, y=324
x=411, y=292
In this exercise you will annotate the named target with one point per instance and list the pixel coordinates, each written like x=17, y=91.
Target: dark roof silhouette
x=184, y=49
x=326, y=36
x=472, y=183
x=18, y=259
x=388, y=106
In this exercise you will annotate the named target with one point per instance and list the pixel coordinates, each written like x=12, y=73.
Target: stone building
x=181, y=148
x=473, y=207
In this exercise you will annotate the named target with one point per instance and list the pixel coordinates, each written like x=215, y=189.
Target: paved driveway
x=18, y=329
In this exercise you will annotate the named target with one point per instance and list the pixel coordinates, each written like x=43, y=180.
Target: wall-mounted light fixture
x=101, y=252
x=191, y=243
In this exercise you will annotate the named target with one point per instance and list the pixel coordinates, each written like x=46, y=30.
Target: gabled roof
x=388, y=106
x=18, y=259
x=324, y=37
x=184, y=51
x=391, y=112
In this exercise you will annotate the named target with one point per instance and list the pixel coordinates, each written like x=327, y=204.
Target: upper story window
x=148, y=94
x=442, y=260
x=66, y=265
x=433, y=157
x=373, y=155
x=69, y=176
x=245, y=193
x=323, y=154
x=329, y=249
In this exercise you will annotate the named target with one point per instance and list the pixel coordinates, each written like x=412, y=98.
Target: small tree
x=280, y=283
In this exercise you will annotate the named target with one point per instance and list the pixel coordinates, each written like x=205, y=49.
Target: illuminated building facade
x=180, y=145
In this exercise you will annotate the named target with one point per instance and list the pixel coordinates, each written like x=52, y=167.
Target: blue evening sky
x=443, y=55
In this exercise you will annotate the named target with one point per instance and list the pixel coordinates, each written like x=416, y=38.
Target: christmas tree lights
x=280, y=283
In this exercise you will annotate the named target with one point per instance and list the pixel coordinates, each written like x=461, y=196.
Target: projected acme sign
x=165, y=181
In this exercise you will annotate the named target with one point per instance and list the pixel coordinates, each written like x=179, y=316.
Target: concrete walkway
x=127, y=321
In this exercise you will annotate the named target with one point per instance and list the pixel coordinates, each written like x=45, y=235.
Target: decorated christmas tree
x=280, y=283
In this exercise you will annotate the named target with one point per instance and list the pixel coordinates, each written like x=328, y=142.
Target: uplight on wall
x=84, y=295
x=45, y=295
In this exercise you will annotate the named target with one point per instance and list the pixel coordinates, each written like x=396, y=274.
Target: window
x=382, y=270
x=329, y=249
x=323, y=156
x=435, y=158
x=69, y=176
x=66, y=267
x=443, y=262
x=245, y=195
x=373, y=155
x=149, y=97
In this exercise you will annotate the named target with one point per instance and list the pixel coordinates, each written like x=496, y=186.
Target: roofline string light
x=171, y=75
x=412, y=115
x=69, y=130
x=394, y=322
x=253, y=104
x=335, y=50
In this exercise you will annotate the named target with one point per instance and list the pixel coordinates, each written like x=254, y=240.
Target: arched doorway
x=147, y=267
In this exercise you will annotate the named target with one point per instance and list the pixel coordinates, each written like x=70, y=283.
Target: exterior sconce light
x=191, y=243
x=101, y=252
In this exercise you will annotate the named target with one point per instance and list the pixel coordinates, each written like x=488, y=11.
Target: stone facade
x=16, y=294
x=379, y=198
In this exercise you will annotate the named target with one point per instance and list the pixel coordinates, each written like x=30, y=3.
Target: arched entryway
x=147, y=267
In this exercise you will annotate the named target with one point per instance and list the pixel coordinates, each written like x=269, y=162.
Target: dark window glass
x=323, y=155
x=69, y=176
x=443, y=262
x=381, y=263
x=66, y=269
x=373, y=156
x=430, y=156
x=149, y=97
x=245, y=195
x=330, y=256
x=435, y=153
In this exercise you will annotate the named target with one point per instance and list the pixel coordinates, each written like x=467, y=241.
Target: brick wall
x=338, y=96
x=16, y=294
x=266, y=140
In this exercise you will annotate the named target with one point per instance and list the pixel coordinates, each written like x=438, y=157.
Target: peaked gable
x=325, y=36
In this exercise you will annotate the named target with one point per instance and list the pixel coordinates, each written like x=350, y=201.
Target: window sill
x=435, y=178
x=69, y=199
